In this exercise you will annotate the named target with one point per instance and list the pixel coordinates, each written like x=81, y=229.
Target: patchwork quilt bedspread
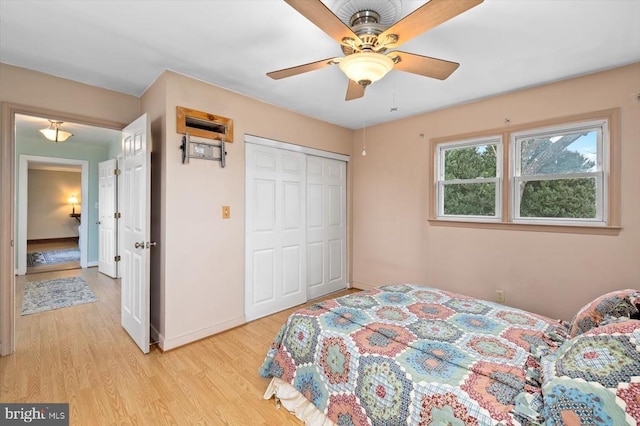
x=408, y=354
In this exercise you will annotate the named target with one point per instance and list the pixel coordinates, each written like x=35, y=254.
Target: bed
x=409, y=354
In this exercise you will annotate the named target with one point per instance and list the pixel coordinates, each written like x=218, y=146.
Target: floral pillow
x=594, y=378
x=619, y=303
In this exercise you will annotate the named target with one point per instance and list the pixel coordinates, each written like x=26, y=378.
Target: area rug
x=52, y=257
x=40, y=296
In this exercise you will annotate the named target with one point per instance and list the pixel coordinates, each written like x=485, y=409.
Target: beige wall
x=549, y=273
x=202, y=284
x=31, y=88
x=48, y=212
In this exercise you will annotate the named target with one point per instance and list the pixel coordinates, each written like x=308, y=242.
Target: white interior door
x=107, y=222
x=136, y=182
x=326, y=226
x=275, y=230
x=120, y=229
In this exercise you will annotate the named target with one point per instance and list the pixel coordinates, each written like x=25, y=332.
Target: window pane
x=477, y=199
x=561, y=198
x=563, y=153
x=470, y=162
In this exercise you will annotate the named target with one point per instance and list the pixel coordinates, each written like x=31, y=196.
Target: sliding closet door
x=326, y=226
x=275, y=226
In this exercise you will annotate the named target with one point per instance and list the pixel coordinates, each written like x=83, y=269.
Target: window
x=559, y=173
x=469, y=179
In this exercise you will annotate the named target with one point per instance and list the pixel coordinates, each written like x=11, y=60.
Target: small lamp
x=73, y=200
x=53, y=132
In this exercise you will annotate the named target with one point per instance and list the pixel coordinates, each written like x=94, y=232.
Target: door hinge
x=116, y=172
x=117, y=258
x=117, y=215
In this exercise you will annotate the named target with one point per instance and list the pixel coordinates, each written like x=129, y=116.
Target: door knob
x=151, y=244
x=139, y=244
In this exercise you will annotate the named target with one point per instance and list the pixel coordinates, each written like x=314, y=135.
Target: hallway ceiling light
x=53, y=132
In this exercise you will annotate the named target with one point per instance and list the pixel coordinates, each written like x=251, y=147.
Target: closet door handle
x=139, y=245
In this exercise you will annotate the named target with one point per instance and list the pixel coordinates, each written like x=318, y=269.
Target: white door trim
x=296, y=148
x=23, y=170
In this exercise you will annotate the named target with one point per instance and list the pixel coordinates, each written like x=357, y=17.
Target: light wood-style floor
x=81, y=355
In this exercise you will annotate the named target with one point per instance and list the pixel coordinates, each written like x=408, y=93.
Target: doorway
x=11, y=151
x=26, y=163
x=53, y=217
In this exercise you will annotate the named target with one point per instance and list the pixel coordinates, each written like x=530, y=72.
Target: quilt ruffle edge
x=296, y=403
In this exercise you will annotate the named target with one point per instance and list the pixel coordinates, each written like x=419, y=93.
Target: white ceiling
x=502, y=46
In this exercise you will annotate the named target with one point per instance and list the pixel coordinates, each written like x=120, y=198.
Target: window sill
x=567, y=229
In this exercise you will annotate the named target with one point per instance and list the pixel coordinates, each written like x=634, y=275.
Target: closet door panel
x=275, y=271
x=326, y=226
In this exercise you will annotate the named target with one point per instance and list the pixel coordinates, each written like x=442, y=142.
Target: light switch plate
x=226, y=212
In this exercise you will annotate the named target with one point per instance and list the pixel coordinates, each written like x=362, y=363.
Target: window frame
x=441, y=182
x=609, y=224
x=515, y=172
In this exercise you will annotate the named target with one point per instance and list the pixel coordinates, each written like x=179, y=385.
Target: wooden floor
x=55, y=245
x=81, y=355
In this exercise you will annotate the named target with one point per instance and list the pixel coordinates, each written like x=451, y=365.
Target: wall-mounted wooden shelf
x=204, y=124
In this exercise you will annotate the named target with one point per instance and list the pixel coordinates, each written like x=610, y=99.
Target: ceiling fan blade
x=323, y=18
x=300, y=69
x=354, y=91
x=434, y=13
x=424, y=65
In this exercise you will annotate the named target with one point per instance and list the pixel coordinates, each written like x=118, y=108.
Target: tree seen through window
x=555, y=197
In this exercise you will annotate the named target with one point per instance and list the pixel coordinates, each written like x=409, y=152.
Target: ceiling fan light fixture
x=366, y=67
x=53, y=132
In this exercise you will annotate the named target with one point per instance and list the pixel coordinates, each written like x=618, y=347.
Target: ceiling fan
x=365, y=42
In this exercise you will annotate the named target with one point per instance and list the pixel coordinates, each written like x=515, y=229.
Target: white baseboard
x=92, y=264
x=171, y=343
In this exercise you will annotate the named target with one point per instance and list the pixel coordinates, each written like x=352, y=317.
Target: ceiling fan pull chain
x=364, y=134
